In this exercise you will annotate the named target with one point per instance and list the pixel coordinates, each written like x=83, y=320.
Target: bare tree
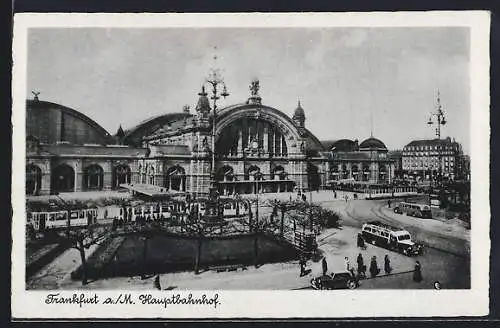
x=199, y=229
x=82, y=239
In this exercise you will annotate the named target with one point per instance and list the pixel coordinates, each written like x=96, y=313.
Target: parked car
x=336, y=280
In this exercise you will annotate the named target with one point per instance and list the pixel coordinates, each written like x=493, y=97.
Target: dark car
x=337, y=280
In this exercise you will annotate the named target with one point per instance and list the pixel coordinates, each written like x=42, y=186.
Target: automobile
x=335, y=280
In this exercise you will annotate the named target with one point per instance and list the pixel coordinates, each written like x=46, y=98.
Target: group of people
x=374, y=269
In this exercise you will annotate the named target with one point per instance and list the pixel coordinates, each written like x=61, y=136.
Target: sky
x=351, y=82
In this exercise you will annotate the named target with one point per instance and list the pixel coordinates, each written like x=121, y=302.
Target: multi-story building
x=426, y=159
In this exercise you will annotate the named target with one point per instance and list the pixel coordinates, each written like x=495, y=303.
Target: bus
x=413, y=209
x=390, y=237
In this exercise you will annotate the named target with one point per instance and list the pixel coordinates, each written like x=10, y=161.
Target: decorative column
x=240, y=142
x=78, y=175
x=266, y=141
x=279, y=145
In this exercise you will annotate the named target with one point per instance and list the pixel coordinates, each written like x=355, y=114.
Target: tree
x=82, y=239
x=199, y=229
x=284, y=206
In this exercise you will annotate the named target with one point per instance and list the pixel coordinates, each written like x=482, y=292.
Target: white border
x=275, y=304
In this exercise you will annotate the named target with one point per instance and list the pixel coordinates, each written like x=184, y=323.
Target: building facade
x=426, y=159
x=360, y=163
x=257, y=148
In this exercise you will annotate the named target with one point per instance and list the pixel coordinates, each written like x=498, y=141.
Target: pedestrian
x=417, y=273
x=387, y=264
x=335, y=194
x=348, y=266
x=302, y=263
x=389, y=203
x=374, y=269
x=324, y=266
x=361, y=241
x=361, y=266
x=157, y=282
x=346, y=198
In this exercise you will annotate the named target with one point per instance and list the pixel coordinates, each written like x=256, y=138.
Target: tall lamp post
x=440, y=119
x=218, y=89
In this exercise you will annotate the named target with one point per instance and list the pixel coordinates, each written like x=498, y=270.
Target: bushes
x=330, y=219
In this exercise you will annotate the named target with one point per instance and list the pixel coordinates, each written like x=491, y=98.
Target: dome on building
x=372, y=143
x=299, y=115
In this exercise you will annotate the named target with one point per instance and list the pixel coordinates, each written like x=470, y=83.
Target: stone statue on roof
x=254, y=87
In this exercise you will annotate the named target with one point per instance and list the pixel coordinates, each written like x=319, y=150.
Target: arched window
x=93, y=177
x=279, y=173
x=225, y=173
x=345, y=172
x=63, y=178
x=366, y=172
x=334, y=172
x=253, y=173
x=151, y=175
x=382, y=173
x=175, y=178
x=355, y=172
x=122, y=175
x=33, y=179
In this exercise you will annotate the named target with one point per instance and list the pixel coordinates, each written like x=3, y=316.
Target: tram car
x=413, y=209
x=52, y=220
x=153, y=211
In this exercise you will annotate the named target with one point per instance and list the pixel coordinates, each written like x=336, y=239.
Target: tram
x=51, y=220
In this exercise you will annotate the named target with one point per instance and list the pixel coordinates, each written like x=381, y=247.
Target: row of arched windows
x=226, y=173
x=356, y=173
x=63, y=178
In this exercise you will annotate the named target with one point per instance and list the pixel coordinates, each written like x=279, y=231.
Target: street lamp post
x=215, y=82
x=439, y=120
x=257, y=177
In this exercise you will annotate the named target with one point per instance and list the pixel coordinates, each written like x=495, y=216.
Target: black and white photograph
x=335, y=158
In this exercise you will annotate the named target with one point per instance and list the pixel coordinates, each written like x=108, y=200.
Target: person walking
x=374, y=269
x=324, y=265
x=417, y=273
x=361, y=266
x=389, y=203
x=348, y=266
x=387, y=264
x=156, y=282
x=361, y=241
x=302, y=264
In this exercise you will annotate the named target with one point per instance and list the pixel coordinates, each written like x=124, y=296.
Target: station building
x=258, y=148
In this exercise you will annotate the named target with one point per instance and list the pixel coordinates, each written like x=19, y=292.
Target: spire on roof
x=120, y=134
